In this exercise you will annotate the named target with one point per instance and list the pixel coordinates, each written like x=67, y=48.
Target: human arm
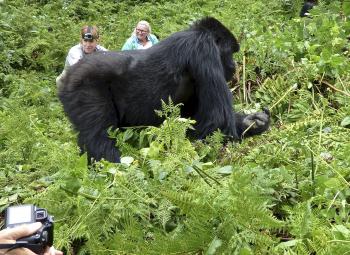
x=154, y=39
x=74, y=55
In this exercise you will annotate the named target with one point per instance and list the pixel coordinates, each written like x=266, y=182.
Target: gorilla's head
x=224, y=39
x=229, y=65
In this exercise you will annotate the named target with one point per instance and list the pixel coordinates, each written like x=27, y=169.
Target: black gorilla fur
x=307, y=6
x=120, y=89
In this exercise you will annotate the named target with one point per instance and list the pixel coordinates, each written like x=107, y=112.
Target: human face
x=142, y=32
x=89, y=46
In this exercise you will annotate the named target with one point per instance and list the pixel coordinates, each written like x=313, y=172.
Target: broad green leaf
x=333, y=183
x=214, y=245
x=225, y=170
x=72, y=184
x=341, y=232
x=13, y=198
x=128, y=134
x=162, y=175
x=290, y=243
x=3, y=201
x=126, y=160
x=189, y=169
x=207, y=165
x=345, y=122
x=144, y=152
x=154, y=149
x=112, y=170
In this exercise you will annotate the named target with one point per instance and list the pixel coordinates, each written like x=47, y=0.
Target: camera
x=25, y=214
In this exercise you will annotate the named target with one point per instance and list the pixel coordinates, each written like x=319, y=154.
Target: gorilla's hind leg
x=91, y=109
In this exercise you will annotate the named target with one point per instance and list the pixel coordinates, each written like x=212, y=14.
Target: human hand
x=52, y=251
x=10, y=235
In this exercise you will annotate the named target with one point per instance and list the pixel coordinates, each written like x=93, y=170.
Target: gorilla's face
x=228, y=64
x=227, y=49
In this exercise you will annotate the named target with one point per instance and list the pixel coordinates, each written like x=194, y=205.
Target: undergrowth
x=283, y=192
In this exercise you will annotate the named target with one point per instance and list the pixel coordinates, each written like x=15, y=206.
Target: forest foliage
x=284, y=192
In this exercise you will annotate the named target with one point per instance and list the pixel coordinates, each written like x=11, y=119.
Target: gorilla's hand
x=257, y=122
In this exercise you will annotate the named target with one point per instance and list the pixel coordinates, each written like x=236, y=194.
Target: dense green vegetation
x=284, y=192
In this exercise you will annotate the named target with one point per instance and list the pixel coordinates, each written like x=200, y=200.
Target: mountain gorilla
x=120, y=89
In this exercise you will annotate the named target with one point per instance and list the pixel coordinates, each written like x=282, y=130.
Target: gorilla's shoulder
x=110, y=57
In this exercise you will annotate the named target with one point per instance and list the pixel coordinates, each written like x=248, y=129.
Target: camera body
x=26, y=214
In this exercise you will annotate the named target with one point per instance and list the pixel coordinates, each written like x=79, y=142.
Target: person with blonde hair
x=141, y=38
x=89, y=38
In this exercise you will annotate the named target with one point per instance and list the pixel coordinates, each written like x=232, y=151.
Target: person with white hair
x=141, y=38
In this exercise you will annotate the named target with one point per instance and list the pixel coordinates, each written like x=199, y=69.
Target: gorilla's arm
x=252, y=124
x=214, y=98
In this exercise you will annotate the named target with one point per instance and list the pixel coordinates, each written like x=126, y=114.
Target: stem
x=243, y=81
x=283, y=96
x=334, y=88
x=247, y=129
x=313, y=173
x=210, y=177
x=201, y=175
